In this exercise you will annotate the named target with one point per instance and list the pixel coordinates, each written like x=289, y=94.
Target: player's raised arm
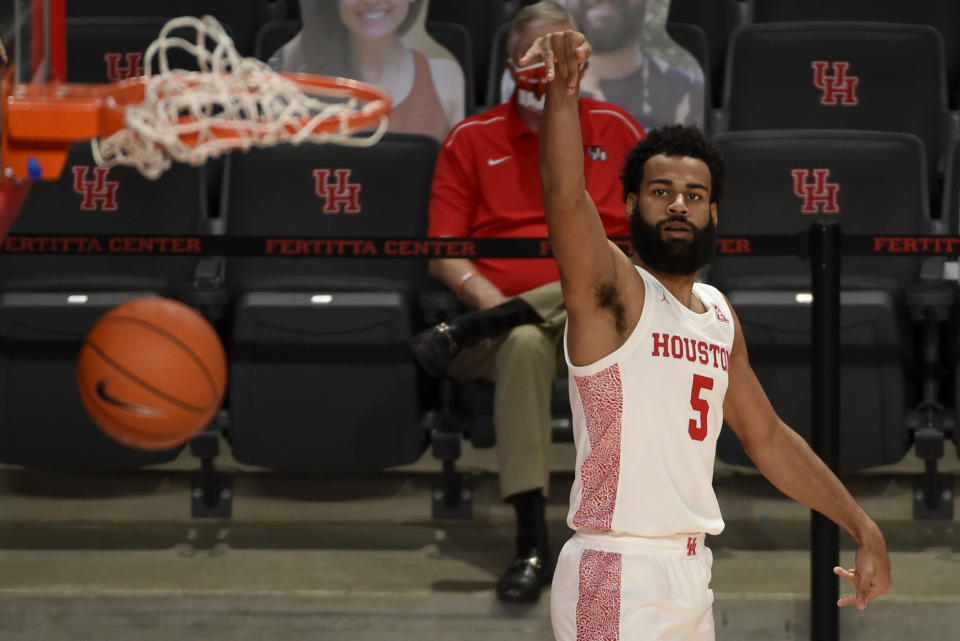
x=601, y=290
x=577, y=237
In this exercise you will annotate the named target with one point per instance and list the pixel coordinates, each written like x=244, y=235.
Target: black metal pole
x=825, y=415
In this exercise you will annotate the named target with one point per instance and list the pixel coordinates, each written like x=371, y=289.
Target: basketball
x=152, y=373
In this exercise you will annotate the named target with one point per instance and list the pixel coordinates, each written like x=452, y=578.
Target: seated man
x=487, y=184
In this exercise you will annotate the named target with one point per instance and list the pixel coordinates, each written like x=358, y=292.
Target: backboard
x=33, y=34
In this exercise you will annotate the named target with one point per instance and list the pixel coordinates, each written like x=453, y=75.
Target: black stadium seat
x=694, y=39
x=49, y=302
x=943, y=15
x=951, y=218
x=868, y=182
x=496, y=66
x=951, y=193
x=273, y=35
x=321, y=379
x=717, y=19
x=110, y=49
x=481, y=18
x=840, y=75
x=242, y=16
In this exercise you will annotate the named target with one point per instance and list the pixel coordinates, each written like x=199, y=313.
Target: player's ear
x=630, y=205
x=713, y=211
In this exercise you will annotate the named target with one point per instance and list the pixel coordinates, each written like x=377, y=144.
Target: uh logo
x=818, y=195
x=837, y=86
x=337, y=191
x=121, y=66
x=97, y=193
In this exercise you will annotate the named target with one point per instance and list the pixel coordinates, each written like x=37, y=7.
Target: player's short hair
x=675, y=140
x=536, y=15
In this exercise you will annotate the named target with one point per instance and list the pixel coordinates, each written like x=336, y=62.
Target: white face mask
x=531, y=76
x=529, y=100
x=527, y=78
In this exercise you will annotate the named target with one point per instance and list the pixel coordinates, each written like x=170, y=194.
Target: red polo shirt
x=487, y=184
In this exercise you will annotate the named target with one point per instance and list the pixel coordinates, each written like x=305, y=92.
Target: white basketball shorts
x=608, y=588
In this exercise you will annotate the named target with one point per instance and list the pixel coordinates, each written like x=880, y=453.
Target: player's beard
x=682, y=256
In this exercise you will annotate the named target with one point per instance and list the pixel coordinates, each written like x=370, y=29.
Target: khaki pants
x=522, y=365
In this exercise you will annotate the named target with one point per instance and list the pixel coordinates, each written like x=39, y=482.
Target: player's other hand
x=871, y=576
x=563, y=53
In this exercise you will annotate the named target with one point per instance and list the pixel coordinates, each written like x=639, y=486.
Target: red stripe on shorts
x=598, y=601
x=601, y=396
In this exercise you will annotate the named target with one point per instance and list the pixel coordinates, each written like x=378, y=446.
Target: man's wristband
x=458, y=288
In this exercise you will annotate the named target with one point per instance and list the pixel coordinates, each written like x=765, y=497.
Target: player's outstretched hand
x=564, y=54
x=871, y=577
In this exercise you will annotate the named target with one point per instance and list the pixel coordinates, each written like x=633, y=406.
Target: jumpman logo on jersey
x=663, y=296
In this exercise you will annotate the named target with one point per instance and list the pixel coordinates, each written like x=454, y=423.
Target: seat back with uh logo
x=321, y=378
x=940, y=14
x=781, y=181
x=839, y=75
x=88, y=200
x=109, y=49
x=329, y=191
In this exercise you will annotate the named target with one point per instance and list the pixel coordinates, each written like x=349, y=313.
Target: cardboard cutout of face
x=635, y=63
x=384, y=43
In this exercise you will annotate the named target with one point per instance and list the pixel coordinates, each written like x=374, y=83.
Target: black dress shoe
x=522, y=581
x=433, y=348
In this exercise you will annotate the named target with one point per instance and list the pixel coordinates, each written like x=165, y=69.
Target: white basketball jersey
x=646, y=419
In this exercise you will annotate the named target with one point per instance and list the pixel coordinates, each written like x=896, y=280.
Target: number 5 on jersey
x=698, y=428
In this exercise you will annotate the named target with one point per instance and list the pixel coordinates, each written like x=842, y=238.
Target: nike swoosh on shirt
x=493, y=162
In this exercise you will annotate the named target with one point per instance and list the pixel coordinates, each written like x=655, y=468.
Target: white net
x=231, y=103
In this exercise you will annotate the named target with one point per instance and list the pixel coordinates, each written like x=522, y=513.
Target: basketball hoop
x=231, y=103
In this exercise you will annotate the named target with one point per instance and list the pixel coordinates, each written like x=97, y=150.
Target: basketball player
x=657, y=361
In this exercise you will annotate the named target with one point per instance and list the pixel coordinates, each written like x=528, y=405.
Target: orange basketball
x=152, y=373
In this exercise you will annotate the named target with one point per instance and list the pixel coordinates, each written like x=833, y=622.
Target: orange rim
x=42, y=120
